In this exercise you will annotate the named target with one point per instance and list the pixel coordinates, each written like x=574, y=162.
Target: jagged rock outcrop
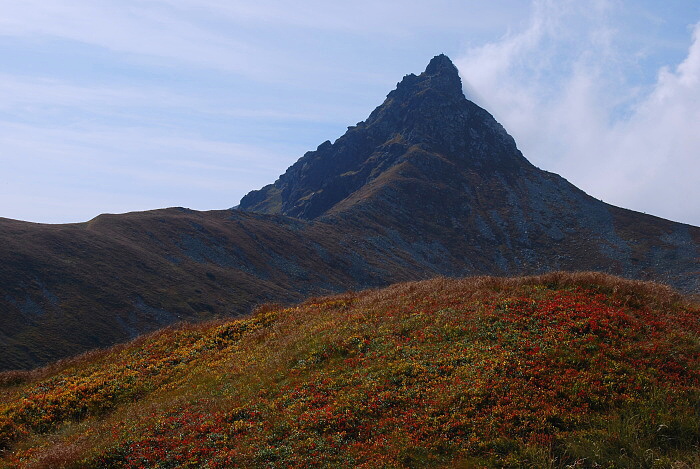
x=427, y=113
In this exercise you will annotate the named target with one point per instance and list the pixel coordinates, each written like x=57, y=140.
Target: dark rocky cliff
x=427, y=112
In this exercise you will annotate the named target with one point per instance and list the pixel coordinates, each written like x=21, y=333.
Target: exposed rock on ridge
x=425, y=113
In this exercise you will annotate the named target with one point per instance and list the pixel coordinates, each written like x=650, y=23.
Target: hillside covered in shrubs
x=561, y=370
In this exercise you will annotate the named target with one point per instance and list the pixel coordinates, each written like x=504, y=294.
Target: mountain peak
x=441, y=65
x=440, y=75
x=426, y=115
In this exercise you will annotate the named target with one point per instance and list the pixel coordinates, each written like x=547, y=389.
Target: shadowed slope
x=69, y=288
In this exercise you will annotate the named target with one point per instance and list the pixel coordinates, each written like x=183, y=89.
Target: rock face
x=425, y=113
x=429, y=184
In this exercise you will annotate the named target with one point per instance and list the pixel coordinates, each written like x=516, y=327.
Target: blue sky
x=122, y=105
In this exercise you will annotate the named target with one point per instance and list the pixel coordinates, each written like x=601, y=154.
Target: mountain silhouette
x=429, y=184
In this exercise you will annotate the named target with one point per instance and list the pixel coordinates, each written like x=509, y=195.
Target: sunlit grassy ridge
x=563, y=370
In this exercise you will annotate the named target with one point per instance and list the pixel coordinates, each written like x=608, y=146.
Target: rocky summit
x=425, y=115
x=429, y=184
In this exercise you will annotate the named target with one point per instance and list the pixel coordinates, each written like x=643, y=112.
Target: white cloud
x=658, y=146
x=137, y=28
x=17, y=92
x=560, y=88
x=397, y=18
x=270, y=40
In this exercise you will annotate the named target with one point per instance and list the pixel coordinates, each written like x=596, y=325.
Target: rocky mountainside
x=433, y=174
x=430, y=184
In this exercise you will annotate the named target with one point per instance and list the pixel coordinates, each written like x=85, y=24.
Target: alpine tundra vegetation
x=555, y=371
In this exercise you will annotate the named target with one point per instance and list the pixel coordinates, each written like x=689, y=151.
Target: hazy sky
x=122, y=105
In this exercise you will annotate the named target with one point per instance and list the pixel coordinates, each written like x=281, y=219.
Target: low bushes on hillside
x=562, y=370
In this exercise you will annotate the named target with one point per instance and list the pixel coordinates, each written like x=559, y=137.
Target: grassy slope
x=550, y=371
